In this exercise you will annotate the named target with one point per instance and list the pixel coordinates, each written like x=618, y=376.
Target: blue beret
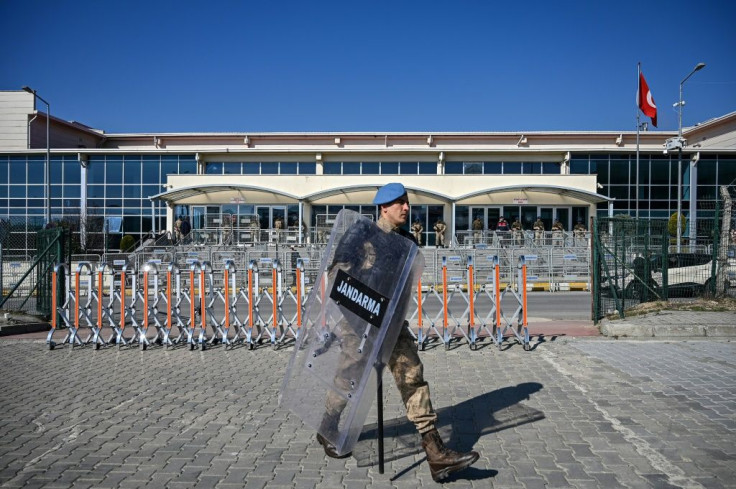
x=389, y=193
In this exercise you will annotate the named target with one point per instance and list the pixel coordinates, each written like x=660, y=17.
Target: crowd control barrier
x=197, y=307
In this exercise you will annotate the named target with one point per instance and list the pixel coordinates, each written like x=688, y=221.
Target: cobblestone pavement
x=570, y=413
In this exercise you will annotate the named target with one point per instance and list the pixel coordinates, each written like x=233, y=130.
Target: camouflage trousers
x=406, y=368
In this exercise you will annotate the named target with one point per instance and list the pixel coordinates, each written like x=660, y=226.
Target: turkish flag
x=645, y=101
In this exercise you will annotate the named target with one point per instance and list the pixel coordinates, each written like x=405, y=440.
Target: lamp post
x=47, y=166
x=698, y=67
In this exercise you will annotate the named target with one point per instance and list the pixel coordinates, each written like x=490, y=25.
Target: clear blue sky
x=215, y=65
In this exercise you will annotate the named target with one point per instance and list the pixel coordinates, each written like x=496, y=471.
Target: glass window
x=149, y=190
x=409, y=167
x=579, y=166
x=72, y=191
x=332, y=168
x=269, y=168
x=35, y=192
x=511, y=168
x=213, y=168
x=168, y=168
x=187, y=167
x=371, y=167
x=17, y=170
x=232, y=168
x=660, y=192
x=726, y=171
x=473, y=168
x=114, y=191
x=56, y=170
x=620, y=172
x=619, y=192
x=493, y=168
x=307, y=168
x=531, y=167
x=130, y=191
x=660, y=171
x=427, y=168
x=132, y=171
x=72, y=172
x=151, y=171
x=389, y=168
x=288, y=168
x=3, y=169
x=453, y=168
x=113, y=170
x=251, y=168
x=351, y=168
x=96, y=171
x=550, y=168
x=706, y=172
x=36, y=171
x=95, y=191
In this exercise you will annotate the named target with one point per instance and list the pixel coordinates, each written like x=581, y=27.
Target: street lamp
x=47, y=169
x=698, y=67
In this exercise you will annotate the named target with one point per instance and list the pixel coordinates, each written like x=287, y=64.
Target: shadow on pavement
x=461, y=426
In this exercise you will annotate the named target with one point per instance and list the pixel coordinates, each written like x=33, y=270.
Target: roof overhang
x=575, y=193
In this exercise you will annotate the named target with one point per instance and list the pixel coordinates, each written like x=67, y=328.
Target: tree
x=127, y=243
x=672, y=225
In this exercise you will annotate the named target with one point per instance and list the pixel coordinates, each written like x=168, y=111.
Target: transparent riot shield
x=352, y=319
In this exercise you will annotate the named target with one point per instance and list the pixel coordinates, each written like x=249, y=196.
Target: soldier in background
x=517, y=231
x=177, y=229
x=477, y=230
x=557, y=232
x=579, y=232
x=439, y=228
x=502, y=228
x=416, y=230
x=255, y=227
x=538, y=231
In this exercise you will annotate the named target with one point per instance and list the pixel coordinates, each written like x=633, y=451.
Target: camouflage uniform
x=518, y=232
x=579, y=231
x=416, y=230
x=404, y=364
x=439, y=228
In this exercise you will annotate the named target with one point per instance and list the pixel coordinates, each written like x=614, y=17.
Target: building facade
x=253, y=185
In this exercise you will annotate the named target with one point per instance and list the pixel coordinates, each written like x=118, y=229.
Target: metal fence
x=636, y=261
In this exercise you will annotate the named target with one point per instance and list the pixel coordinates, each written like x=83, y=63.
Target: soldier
x=405, y=364
x=502, y=228
x=477, y=230
x=557, y=233
x=416, y=230
x=439, y=228
x=538, y=231
x=518, y=232
x=579, y=232
x=255, y=227
x=177, y=229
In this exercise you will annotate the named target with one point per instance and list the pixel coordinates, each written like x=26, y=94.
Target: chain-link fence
x=636, y=261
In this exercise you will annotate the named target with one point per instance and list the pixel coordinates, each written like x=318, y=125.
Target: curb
x=13, y=329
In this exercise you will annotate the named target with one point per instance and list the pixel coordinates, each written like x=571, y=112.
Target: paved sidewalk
x=573, y=412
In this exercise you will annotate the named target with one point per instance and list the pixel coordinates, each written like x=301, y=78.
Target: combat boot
x=329, y=427
x=443, y=461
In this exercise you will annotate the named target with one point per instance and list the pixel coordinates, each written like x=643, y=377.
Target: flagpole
x=638, y=94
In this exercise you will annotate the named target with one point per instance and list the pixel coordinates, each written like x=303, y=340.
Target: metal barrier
x=206, y=307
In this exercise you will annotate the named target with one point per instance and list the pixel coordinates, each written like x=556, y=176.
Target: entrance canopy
x=516, y=190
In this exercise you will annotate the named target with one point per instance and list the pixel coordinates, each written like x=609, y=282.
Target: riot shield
x=352, y=319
